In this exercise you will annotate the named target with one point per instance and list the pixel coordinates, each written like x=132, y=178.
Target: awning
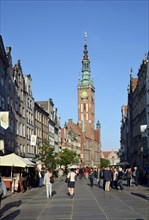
x=15, y=160
x=122, y=163
x=73, y=166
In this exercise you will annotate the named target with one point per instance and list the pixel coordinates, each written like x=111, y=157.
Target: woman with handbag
x=48, y=182
x=71, y=184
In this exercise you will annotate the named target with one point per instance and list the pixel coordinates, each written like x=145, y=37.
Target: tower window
x=84, y=107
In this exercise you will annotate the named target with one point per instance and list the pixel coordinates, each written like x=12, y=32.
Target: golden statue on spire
x=85, y=36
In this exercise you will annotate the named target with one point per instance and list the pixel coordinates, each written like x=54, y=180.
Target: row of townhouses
x=27, y=118
x=135, y=120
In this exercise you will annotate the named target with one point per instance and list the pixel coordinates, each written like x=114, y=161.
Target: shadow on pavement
x=54, y=193
x=11, y=215
x=140, y=219
x=9, y=206
x=141, y=196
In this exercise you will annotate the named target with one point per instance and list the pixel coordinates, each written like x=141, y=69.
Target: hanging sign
x=33, y=139
x=4, y=119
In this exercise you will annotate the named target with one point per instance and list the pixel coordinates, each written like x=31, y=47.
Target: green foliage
x=67, y=156
x=104, y=162
x=50, y=159
x=46, y=154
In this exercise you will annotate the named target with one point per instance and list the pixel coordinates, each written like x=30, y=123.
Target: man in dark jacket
x=120, y=179
x=136, y=175
x=107, y=178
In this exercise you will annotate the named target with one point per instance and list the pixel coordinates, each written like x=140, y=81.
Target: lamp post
x=142, y=162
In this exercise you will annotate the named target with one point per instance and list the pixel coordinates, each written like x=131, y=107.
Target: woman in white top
x=71, y=183
x=46, y=181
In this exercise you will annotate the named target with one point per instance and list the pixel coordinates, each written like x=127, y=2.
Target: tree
x=67, y=156
x=104, y=162
x=46, y=154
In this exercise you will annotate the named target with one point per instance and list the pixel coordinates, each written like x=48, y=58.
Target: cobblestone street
x=88, y=203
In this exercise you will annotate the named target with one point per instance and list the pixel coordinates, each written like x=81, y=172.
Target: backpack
x=128, y=174
x=134, y=173
x=122, y=175
x=101, y=174
x=91, y=175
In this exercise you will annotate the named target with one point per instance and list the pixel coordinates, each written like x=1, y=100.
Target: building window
x=16, y=107
x=2, y=81
x=81, y=107
x=17, y=128
x=84, y=107
x=86, y=116
x=2, y=103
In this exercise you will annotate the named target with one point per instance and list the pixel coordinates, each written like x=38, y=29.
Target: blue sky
x=48, y=38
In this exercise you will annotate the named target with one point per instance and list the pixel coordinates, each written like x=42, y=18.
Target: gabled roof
x=126, y=109
x=106, y=154
x=135, y=82
x=73, y=126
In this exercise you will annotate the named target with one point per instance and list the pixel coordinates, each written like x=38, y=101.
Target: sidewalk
x=88, y=203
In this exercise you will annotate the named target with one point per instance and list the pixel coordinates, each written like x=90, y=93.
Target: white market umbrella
x=15, y=160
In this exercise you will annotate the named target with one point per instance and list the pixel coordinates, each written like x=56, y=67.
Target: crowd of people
x=111, y=177
x=105, y=178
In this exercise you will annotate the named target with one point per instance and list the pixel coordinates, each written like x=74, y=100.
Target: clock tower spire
x=86, y=96
x=86, y=77
x=87, y=138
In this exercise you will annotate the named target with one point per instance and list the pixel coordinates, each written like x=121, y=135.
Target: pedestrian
x=40, y=181
x=77, y=171
x=91, y=177
x=71, y=184
x=98, y=177
x=21, y=183
x=60, y=174
x=86, y=172
x=102, y=182
x=120, y=178
x=81, y=172
x=107, y=178
x=128, y=176
x=47, y=183
x=136, y=176
x=3, y=190
x=115, y=178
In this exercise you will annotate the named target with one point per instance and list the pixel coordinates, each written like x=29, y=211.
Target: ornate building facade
x=3, y=72
x=26, y=117
x=112, y=156
x=134, y=144
x=54, y=124
x=90, y=137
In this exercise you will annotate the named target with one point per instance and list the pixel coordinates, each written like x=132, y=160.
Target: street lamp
x=143, y=129
x=142, y=162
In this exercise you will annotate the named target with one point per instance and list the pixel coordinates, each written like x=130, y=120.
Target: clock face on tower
x=84, y=94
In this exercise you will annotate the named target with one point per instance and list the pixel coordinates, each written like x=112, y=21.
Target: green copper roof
x=86, y=77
